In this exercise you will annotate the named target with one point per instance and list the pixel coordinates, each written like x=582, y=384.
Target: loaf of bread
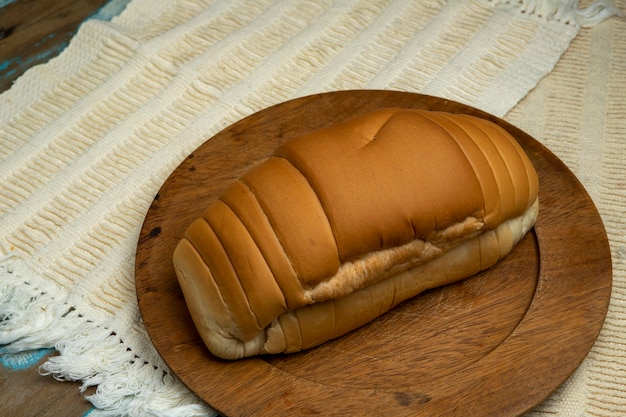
x=342, y=224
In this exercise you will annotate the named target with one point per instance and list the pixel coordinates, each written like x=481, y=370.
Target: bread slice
x=342, y=224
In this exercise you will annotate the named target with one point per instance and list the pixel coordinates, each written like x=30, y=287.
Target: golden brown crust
x=344, y=210
x=245, y=205
x=377, y=187
x=294, y=210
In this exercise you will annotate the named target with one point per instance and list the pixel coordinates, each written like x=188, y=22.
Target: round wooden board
x=494, y=344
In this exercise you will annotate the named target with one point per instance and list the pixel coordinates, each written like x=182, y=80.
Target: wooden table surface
x=31, y=33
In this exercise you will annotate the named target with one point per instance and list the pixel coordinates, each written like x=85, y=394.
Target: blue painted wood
x=4, y=3
x=111, y=9
x=24, y=44
x=23, y=360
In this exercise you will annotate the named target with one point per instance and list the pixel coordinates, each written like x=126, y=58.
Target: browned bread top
x=386, y=178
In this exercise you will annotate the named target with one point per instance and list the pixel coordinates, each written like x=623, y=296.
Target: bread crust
x=340, y=225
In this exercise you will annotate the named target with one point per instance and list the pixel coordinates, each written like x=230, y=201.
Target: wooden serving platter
x=495, y=344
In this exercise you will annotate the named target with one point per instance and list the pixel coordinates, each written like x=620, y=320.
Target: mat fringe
x=566, y=11
x=34, y=315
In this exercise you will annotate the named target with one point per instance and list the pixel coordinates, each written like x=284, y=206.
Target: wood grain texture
x=24, y=392
x=494, y=344
x=34, y=31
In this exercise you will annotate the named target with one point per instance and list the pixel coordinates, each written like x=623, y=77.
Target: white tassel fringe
x=27, y=313
x=137, y=387
x=33, y=315
x=567, y=11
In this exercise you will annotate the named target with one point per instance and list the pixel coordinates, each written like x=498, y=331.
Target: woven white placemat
x=87, y=139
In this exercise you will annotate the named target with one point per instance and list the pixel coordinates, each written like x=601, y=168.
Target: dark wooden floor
x=24, y=392
x=31, y=33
